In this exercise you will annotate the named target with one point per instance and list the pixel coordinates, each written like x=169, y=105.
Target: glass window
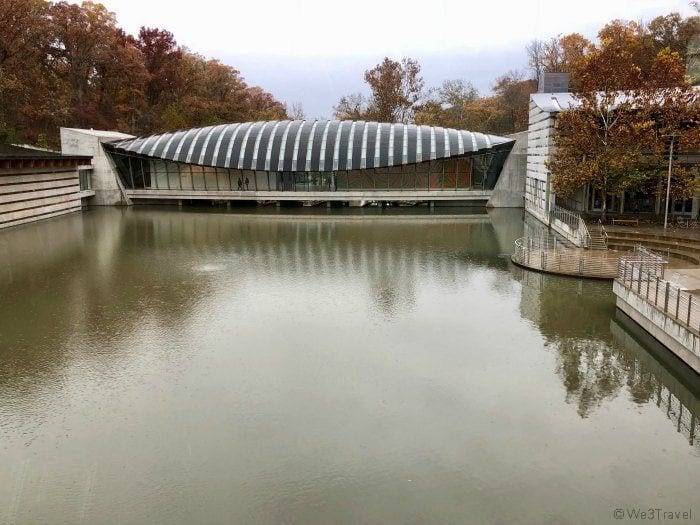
x=436, y=174
x=247, y=180
x=381, y=178
x=465, y=168
x=210, y=180
x=262, y=182
x=197, y=176
x=422, y=175
x=355, y=180
x=640, y=202
x=683, y=207
x=399, y=179
x=341, y=180
x=450, y=175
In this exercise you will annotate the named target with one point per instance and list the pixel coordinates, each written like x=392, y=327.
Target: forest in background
x=70, y=65
x=64, y=64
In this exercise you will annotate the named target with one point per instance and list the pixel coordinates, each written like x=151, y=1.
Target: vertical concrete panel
x=105, y=182
x=509, y=191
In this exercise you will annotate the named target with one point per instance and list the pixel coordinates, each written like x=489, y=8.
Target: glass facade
x=469, y=172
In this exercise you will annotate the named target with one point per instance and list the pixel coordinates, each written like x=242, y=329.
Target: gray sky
x=314, y=51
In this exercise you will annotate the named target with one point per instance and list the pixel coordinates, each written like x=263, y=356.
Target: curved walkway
x=680, y=246
x=551, y=256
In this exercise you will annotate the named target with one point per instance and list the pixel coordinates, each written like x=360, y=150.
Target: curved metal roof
x=309, y=145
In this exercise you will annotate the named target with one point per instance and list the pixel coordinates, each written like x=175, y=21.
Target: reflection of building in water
x=76, y=279
x=652, y=378
x=131, y=268
x=387, y=253
x=597, y=358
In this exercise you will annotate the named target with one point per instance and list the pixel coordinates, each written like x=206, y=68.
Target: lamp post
x=668, y=181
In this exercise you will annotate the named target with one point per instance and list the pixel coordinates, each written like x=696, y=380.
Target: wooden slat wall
x=28, y=195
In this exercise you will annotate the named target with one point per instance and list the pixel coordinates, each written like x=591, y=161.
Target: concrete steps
x=681, y=247
x=597, y=241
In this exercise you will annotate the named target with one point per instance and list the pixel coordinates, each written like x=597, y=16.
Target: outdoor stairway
x=683, y=246
x=597, y=241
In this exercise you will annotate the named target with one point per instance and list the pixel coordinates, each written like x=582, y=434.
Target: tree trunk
x=604, y=210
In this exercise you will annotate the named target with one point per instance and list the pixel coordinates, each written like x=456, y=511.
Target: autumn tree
x=66, y=64
x=449, y=105
x=562, y=54
x=513, y=92
x=81, y=37
x=351, y=107
x=261, y=105
x=26, y=106
x=397, y=88
x=613, y=138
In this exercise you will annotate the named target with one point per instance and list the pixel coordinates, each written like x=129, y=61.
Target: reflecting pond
x=187, y=366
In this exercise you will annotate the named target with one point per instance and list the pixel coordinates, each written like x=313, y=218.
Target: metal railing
x=643, y=274
x=572, y=225
x=549, y=254
x=567, y=217
x=602, y=232
x=583, y=233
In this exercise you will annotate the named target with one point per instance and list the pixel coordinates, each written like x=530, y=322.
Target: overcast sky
x=313, y=51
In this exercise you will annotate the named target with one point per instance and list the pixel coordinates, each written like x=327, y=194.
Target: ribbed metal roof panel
x=301, y=150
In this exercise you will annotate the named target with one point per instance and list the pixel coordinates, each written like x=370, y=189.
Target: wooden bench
x=626, y=222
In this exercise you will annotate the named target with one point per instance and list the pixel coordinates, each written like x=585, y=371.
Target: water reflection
x=654, y=377
x=282, y=367
x=600, y=352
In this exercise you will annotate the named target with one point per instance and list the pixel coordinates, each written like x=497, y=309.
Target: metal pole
x=656, y=293
x=668, y=181
x=648, y=281
x=639, y=282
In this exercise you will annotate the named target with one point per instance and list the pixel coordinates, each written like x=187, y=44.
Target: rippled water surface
x=164, y=366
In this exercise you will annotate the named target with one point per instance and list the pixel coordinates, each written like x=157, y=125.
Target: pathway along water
x=162, y=366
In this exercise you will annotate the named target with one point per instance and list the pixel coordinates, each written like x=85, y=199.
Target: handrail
x=549, y=254
x=568, y=217
x=602, y=231
x=641, y=276
x=575, y=226
x=583, y=233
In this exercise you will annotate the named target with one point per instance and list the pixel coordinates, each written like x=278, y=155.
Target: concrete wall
x=674, y=336
x=105, y=183
x=31, y=194
x=538, y=196
x=510, y=188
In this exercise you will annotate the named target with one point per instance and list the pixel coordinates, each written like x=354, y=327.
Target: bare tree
x=295, y=111
x=351, y=107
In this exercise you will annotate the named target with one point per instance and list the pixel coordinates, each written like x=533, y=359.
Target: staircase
x=598, y=238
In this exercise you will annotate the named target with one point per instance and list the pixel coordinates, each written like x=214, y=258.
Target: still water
x=165, y=366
